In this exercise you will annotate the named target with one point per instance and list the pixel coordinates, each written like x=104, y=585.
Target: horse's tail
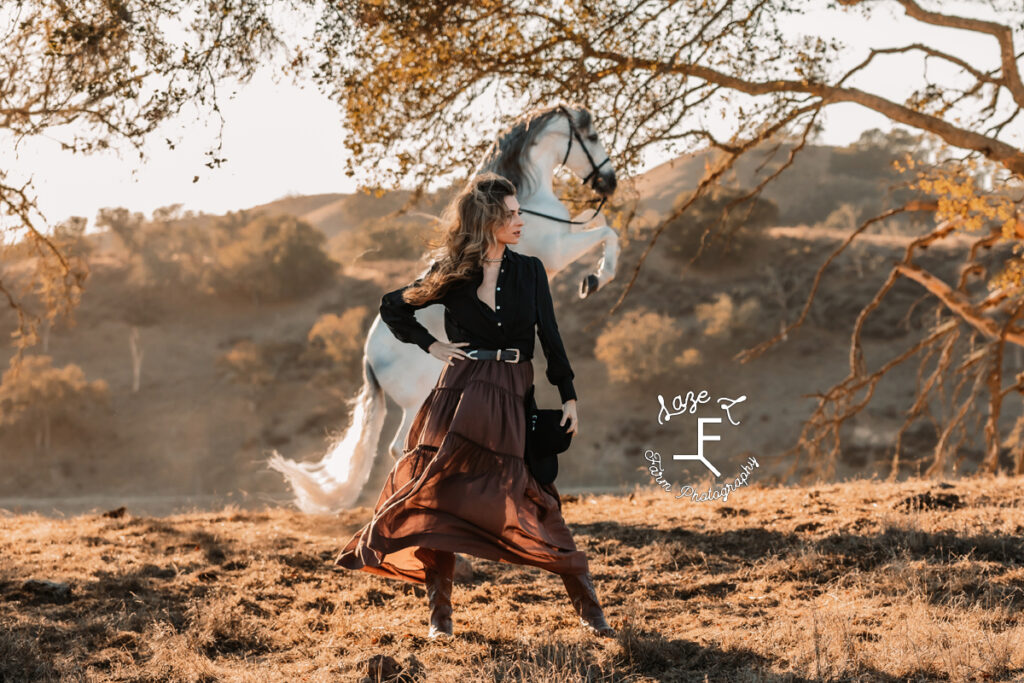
x=334, y=483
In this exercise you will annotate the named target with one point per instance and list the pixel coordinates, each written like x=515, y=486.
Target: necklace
x=495, y=260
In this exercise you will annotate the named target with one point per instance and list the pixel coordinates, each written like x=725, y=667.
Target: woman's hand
x=445, y=351
x=569, y=411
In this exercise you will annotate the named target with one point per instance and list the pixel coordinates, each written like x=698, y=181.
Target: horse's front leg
x=594, y=231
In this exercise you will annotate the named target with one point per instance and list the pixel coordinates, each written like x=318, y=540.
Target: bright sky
x=280, y=140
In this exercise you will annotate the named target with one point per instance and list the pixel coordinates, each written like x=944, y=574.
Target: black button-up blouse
x=523, y=301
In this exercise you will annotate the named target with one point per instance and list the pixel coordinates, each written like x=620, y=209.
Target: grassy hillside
x=193, y=430
x=860, y=581
x=820, y=179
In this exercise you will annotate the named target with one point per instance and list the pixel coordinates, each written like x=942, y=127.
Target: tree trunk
x=46, y=434
x=133, y=342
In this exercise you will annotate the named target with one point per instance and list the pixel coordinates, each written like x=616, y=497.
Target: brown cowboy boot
x=584, y=600
x=439, y=580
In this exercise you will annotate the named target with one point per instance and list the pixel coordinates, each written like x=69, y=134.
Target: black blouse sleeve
x=559, y=372
x=398, y=315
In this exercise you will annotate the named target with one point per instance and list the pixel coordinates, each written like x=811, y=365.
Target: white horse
x=527, y=153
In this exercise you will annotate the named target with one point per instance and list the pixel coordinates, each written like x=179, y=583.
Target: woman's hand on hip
x=569, y=412
x=447, y=350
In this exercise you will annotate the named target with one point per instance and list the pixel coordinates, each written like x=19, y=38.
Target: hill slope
x=193, y=432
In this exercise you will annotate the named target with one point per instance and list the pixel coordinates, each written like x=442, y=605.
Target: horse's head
x=527, y=153
x=584, y=153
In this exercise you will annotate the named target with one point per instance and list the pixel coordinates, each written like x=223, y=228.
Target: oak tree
x=413, y=77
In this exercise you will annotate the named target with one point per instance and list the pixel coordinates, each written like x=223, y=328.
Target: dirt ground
x=856, y=581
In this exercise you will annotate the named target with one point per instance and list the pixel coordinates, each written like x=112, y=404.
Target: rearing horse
x=527, y=153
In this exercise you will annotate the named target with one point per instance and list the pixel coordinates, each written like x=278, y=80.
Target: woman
x=462, y=484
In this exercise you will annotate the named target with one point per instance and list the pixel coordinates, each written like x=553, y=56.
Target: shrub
x=246, y=363
x=35, y=397
x=388, y=237
x=722, y=317
x=340, y=337
x=69, y=236
x=274, y=258
x=261, y=363
x=844, y=217
x=641, y=345
x=267, y=258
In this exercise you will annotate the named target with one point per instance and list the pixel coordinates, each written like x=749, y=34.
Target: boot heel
x=583, y=596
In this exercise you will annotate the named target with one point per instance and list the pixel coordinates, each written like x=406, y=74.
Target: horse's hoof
x=588, y=286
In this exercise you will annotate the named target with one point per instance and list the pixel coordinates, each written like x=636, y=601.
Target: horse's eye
x=593, y=137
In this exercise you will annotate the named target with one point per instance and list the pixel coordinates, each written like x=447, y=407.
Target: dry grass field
x=848, y=581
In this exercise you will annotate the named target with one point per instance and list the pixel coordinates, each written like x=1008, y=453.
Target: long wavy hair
x=467, y=232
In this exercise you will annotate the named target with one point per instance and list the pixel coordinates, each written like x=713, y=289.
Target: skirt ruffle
x=463, y=485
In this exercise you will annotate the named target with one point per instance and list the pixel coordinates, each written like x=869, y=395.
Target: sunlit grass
x=833, y=582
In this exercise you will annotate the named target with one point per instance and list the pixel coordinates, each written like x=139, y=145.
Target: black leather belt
x=507, y=355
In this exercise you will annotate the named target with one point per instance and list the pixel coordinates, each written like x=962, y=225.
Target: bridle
x=574, y=132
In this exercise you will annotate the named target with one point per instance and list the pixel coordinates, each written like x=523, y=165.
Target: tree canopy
x=106, y=73
x=655, y=74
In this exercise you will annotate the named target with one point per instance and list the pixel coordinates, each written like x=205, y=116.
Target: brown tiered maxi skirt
x=462, y=484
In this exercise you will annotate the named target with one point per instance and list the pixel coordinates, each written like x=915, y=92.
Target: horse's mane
x=506, y=154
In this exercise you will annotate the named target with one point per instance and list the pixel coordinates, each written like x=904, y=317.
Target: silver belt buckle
x=471, y=353
x=514, y=360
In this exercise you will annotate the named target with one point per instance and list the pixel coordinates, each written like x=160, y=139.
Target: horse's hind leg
x=396, y=448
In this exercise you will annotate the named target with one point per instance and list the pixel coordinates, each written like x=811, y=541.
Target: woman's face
x=508, y=232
